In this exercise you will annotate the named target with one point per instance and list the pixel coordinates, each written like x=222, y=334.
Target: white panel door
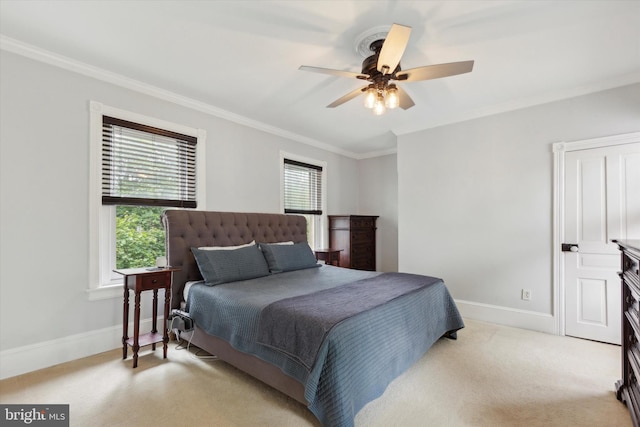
x=602, y=202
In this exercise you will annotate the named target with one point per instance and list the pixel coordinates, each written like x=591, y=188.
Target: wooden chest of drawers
x=356, y=236
x=628, y=389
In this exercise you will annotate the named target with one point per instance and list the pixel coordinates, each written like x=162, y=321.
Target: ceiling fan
x=383, y=67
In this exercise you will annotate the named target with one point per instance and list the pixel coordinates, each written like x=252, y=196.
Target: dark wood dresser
x=628, y=389
x=356, y=236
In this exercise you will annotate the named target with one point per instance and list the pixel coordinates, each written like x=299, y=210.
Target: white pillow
x=227, y=248
x=290, y=242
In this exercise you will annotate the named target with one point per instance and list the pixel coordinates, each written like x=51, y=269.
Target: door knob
x=570, y=247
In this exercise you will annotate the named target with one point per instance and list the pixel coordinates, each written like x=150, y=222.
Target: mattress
x=358, y=358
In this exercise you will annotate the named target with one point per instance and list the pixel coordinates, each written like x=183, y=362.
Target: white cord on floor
x=197, y=354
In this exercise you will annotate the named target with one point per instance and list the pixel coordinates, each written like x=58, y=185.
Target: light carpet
x=491, y=376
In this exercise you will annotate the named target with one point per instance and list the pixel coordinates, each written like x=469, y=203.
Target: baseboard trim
x=507, y=316
x=20, y=360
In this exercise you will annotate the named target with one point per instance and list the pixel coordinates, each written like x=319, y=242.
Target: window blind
x=144, y=165
x=302, y=188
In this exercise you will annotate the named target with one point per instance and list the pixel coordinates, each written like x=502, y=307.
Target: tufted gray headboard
x=187, y=228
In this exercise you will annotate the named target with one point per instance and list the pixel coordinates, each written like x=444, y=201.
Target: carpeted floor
x=491, y=376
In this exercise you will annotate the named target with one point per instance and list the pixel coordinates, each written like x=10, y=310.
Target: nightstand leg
x=165, y=337
x=136, y=329
x=125, y=320
x=154, y=320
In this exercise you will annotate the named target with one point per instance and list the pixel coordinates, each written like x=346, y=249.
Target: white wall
x=378, y=195
x=475, y=201
x=45, y=314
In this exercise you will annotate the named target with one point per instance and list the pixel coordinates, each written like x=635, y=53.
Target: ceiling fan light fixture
x=391, y=98
x=382, y=48
x=379, y=108
x=370, y=97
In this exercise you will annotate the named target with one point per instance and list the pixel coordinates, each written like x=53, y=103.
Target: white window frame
x=103, y=282
x=320, y=234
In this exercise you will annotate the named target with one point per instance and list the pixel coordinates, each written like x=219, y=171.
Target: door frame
x=559, y=151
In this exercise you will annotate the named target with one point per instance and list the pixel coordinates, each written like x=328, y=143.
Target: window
x=144, y=169
x=302, y=193
x=140, y=166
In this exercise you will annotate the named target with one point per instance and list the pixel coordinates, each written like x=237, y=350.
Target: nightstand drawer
x=154, y=281
x=149, y=281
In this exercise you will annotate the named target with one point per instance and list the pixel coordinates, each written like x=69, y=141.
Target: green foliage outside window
x=139, y=236
x=311, y=221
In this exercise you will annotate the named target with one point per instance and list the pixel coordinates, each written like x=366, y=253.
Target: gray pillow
x=219, y=267
x=288, y=257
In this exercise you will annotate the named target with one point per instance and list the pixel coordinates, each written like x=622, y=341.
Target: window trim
x=321, y=235
x=103, y=283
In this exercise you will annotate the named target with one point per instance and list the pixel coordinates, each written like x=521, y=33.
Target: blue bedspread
x=298, y=325
x=358, y=358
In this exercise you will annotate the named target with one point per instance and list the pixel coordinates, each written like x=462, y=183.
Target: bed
x=331, y=360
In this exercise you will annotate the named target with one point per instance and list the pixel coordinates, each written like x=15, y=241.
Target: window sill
x=105, y=292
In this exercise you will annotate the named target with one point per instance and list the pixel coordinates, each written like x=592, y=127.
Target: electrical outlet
x=526, y=294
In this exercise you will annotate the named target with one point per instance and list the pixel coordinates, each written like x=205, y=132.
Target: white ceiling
x=241, y=58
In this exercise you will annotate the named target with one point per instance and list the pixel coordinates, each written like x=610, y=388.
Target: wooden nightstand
x=139, y=280
x=328, y=256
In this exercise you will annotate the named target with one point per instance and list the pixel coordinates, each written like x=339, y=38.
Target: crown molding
x=24, y=49
x=380, y=153
x=546, y=98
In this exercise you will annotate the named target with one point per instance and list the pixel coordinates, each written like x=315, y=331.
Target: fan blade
x=339, y=73
x=405, y=100
x=434, y=71
x=347, y=97
x=393, y=47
